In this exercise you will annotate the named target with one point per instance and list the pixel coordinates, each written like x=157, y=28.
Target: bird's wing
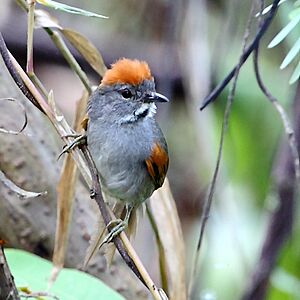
x=157, y=164
x=84, y=122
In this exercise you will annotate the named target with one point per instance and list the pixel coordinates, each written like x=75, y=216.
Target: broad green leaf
x=284, y=32
x=291, y=54
x=32, y=271
x=69, y=9
x=295, y=75
x=86, y=49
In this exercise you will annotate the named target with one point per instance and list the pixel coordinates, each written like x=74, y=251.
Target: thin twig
x=208, y=202
x=284, y=118
x=219, y=88
x=38, y=295
x=281, y=220
x=30, y=26
x=61, y=45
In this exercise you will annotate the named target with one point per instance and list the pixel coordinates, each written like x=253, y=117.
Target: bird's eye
x=126, y=93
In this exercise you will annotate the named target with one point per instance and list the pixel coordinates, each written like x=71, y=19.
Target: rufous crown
x=127, y=71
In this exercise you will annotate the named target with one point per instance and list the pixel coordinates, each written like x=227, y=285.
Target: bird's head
x=126, y=93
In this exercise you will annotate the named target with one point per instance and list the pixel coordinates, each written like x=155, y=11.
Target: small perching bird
x=123, y=137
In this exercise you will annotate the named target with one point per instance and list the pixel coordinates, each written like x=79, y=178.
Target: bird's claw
x=115, y=227
x=79, y=139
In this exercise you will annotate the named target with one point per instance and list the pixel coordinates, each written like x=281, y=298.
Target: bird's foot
x=79, y=139
x=115, y=227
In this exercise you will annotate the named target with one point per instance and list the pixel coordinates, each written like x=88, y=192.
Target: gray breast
x=119, y=153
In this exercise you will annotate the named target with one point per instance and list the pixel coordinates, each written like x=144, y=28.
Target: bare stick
x=284, y=118
x=282, y=218
x=61, y=45
x=219, y=88
x=211, y=192
x=280, y=224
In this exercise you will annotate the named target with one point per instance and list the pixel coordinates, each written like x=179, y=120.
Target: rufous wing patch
x=127, y=71
x=84, y=122
x=157, y=165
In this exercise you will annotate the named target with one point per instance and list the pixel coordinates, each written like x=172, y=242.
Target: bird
x=124, y=139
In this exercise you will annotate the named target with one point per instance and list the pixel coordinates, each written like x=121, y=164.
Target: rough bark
x=30, y=161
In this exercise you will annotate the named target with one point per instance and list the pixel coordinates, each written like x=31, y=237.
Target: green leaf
x=69, y=9
x=284, y=32
x=32, y=271
x=295, y=75
x=291, y=54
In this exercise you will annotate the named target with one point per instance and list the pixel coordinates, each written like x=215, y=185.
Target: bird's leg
x=115, y=227
x=79, y=139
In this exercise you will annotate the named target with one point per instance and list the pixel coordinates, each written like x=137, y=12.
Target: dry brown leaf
x=20, y=192
x=166, y=218
x=65, y=197
x=86, y=49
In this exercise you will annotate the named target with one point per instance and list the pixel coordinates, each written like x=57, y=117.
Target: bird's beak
x=155, y=97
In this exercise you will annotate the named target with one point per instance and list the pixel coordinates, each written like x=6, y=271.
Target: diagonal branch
x=281, y=220
x=208, y=202
x=263, y=28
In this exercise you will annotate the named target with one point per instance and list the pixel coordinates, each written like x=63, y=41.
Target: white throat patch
x=147, y=110
x=150, y=107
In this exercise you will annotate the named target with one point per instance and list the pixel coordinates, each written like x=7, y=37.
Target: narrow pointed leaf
x=166, y=218
x=295, y=75
x=284, y=32
x=291, y=54
x=86, y=49
x=65, y=197
x=69, y=9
